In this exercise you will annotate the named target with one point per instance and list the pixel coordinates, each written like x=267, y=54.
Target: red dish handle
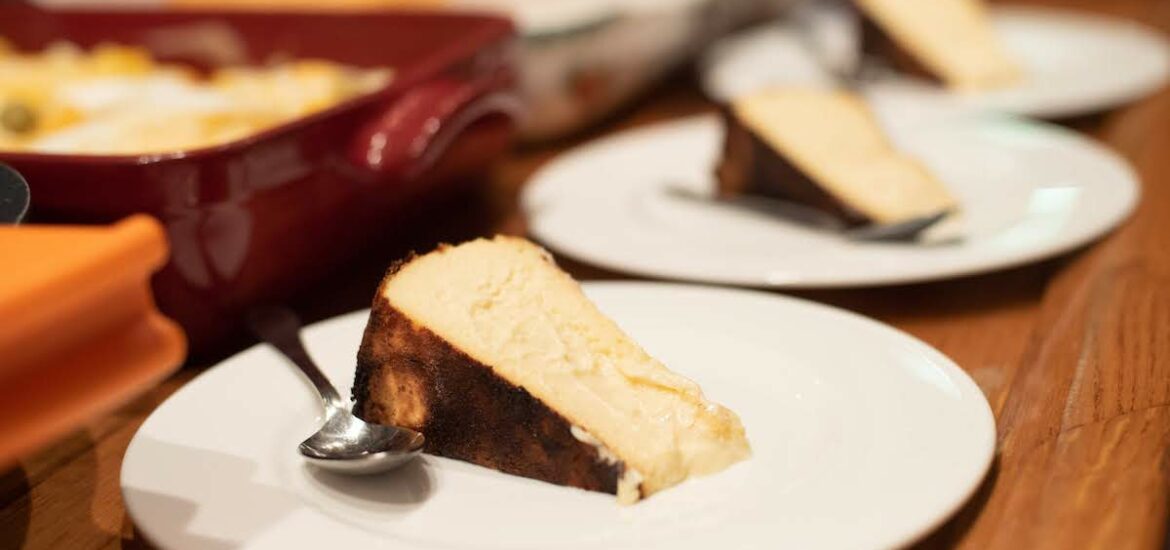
x=418, y=128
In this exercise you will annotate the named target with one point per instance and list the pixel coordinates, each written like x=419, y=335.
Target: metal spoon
x=908, y=230
x=14, y=195
x=345, y=443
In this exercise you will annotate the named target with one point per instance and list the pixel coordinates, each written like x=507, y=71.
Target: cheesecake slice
x=825, y=150
x=949, y=41
x=499, y=359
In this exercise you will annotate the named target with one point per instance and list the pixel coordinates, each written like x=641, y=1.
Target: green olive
x=18, y=118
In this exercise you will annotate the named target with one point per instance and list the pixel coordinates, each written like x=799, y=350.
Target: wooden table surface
x=1073, y=354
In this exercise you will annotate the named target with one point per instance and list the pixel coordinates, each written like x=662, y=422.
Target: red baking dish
x=260, y=219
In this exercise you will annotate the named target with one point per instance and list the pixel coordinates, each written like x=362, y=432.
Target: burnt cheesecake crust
x=407, y=376
x=951, y=42
x=499, y=359
x=749, y=166
x=877, y=44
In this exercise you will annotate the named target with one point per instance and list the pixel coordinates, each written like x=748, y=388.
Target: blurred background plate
x=1028, y=191
x=1076, y=63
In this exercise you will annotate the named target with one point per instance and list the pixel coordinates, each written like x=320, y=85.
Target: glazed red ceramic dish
x=259, y=219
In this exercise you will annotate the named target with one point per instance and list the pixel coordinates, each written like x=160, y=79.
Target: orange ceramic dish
x=79, y=333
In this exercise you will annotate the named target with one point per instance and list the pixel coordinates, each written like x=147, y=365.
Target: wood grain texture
x=1073, y=353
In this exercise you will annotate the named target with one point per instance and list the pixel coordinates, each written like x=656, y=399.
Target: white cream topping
x=629, y=485
x=583, y=436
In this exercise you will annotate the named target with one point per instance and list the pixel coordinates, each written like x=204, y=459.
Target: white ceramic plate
x=862, y=437
x=1028, y=191
x=1075, y=63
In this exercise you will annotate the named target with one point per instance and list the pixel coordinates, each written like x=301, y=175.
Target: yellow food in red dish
x=115, y=100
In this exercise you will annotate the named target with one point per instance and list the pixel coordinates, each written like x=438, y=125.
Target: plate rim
x=975, y=401
x=707, y=65
x=1102, y=20
x=1055, y=248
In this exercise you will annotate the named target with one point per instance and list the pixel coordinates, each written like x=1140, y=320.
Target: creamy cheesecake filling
x=506, y=305
x=954, y=39
x=834, y=139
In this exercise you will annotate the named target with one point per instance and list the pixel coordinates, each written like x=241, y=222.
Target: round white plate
x=1075, y=63
x=862, y=437
x=1028, y=191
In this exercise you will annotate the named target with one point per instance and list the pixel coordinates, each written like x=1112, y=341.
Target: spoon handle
x=280, y=328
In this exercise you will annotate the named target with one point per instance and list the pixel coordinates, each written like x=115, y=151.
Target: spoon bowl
x=345, y=443
x=14, y=196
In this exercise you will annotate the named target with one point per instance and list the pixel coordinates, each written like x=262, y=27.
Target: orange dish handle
x=79, y=332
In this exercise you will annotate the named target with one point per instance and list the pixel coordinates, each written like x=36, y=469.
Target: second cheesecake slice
x=951, y=41
x=827, y=151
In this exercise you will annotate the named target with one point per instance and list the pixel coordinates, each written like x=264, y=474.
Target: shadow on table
x=14, y=518
x=957, y=296
x=965, y=295
x=31, y=495
x=1086, y=123
x=953, y=531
